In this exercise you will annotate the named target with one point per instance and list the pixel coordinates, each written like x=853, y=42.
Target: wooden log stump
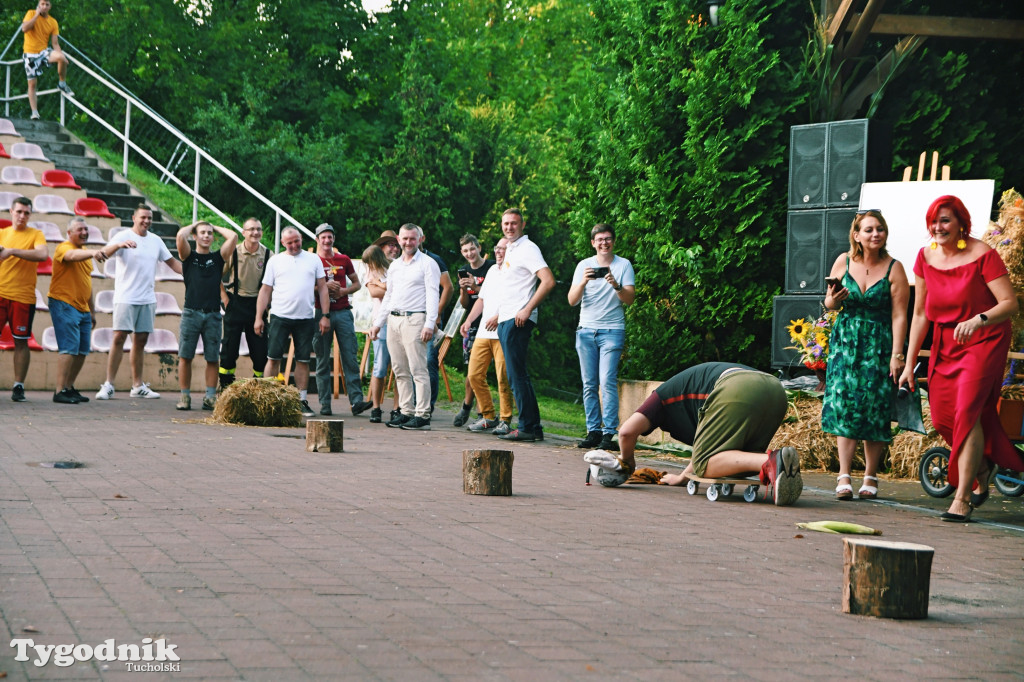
x=325, y=435
x=487, y=472
x=886, y=579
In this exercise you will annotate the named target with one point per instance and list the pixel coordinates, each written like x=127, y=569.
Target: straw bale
x=802, y=430
x=1007, y=237
x=259, y=402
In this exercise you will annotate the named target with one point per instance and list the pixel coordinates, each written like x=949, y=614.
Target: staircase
x=95, y=177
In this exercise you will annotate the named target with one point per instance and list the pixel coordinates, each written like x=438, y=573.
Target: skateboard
x=723, y=486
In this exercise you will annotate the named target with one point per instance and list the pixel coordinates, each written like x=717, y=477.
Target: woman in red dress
x=963, y=289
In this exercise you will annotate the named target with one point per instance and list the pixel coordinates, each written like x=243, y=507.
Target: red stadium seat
x=59, y=178
x=45, y=267
x=3, y=152
x=7, y=340
x=89, y=206
x=4, y=222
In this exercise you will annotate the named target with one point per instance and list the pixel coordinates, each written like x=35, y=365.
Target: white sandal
x=844, y=491
x=868, y=492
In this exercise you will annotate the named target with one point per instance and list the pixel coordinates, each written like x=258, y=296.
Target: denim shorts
x=281, y=329
x=381, y=356
x=196, y=323
x=138, y=319
x=72, y=327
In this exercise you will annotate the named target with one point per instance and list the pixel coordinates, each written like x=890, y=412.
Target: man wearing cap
x=729, y=413
x=411, y=307
x=295, y=290
x=244, y=272
x=526, y=281
x=342, y=281
x=22, y=248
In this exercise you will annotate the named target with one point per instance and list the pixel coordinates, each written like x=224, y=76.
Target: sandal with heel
x=844, y=491
x=868, y=492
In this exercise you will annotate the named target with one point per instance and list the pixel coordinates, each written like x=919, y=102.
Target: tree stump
x=886, y=579
x=325, y=435
x=487, y=472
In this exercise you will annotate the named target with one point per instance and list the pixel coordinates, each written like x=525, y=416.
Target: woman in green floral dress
x=865, y=350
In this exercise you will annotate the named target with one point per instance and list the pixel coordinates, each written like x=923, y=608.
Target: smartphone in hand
x=600, y=272
x=833, y=283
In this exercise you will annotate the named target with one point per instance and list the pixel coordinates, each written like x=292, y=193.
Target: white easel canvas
x=904, y=205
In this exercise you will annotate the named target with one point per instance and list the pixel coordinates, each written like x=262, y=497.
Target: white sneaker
x=143, y=392
x=34, y=116
x=106, y=391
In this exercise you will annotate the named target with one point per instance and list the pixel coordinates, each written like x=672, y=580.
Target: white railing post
x=277, y=231
x=62, y=109
x=195, y=193
x=127, y=130
x=7, y=94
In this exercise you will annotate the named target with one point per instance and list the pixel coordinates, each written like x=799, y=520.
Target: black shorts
x=281, y=329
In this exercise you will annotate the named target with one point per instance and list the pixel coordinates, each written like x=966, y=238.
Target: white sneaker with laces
x=143, y=392
x=106, y=391
x=34, y=116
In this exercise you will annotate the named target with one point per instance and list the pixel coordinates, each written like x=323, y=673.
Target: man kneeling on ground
x=729, y=413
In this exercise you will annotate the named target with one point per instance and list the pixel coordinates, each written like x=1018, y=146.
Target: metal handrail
x=124, y=136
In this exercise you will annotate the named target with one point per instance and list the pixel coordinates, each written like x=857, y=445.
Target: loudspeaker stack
x=828, y=163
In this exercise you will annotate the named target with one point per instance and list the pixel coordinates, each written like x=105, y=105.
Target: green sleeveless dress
x=858, y=398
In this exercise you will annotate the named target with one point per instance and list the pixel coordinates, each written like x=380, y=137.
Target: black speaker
x=785, y=309
x=837, y=234
x=859, y=151
x=805, y=258
x=807, y=145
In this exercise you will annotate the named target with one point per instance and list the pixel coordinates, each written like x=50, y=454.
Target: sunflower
x=821, y=339
x=798, y=329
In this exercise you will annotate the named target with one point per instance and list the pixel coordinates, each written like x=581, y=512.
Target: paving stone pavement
x=260, y=561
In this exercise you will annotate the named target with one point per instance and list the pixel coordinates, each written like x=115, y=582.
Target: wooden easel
x=908, y=171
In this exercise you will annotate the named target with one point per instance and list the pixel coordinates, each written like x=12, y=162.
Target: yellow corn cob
x=839, y=527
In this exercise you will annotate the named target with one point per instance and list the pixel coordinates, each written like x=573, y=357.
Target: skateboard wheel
x=727, y=489
x=712, y=492
x=750, y=494
x=692, y=487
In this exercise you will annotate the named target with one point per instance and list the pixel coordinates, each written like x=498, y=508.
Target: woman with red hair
x=963, y=289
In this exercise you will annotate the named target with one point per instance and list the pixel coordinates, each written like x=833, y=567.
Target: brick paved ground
x=259, y=560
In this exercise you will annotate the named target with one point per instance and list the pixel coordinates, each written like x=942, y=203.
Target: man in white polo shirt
x=410, y=308
x=290, y=281
x=526, y=281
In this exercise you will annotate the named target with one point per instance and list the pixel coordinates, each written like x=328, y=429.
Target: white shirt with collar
x=523, y=260
x=412, y=287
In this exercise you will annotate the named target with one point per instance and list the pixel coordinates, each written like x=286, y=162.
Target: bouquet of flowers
x=810, y=340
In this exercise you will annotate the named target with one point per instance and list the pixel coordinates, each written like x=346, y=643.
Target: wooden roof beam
x=943, y=27
x=861, y=28
x=839, y=22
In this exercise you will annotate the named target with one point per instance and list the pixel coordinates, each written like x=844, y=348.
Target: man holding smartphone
x=602, y=286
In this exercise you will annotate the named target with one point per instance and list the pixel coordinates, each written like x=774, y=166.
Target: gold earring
x=961, y=244
x=934, y=245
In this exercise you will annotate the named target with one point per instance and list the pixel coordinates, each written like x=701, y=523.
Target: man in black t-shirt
x=469, y=291
x=445, y=289
x=729, y=413
x=202, y=271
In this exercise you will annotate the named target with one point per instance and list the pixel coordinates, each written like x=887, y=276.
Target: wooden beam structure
x=941, y=27
x=860, y=28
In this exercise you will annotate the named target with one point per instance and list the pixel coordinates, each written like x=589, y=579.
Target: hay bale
x=802, y=430
x=259, y=402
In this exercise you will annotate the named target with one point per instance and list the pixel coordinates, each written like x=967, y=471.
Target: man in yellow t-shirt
x=21, y=249
x=42, y=49
x=71, y=307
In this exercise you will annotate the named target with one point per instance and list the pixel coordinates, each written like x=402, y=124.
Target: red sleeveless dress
x=964, y=379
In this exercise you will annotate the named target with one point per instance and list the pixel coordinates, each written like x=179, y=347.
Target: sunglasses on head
x=862, y=211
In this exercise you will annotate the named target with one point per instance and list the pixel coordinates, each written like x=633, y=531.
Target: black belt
x=407, y=313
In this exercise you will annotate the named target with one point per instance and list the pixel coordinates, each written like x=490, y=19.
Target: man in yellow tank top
x=42, y=49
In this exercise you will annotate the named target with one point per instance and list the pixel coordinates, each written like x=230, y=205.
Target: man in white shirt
x=486, y=347
x=526, y=281
x=135, y=298
x=410, y=307
x=290, y=281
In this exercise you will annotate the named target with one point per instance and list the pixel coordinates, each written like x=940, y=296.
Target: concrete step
x=42, y=137
x=86, y=175
x=28, y=128
x=61, y=148
x=69, y=162
x=97, y=187
x=125, y=212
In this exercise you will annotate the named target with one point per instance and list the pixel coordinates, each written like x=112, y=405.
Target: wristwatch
x=900, y=356
x=984, y=318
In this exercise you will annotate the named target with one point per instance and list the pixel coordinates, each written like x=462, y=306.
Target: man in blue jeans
x=602, y=286
x=526, y=281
